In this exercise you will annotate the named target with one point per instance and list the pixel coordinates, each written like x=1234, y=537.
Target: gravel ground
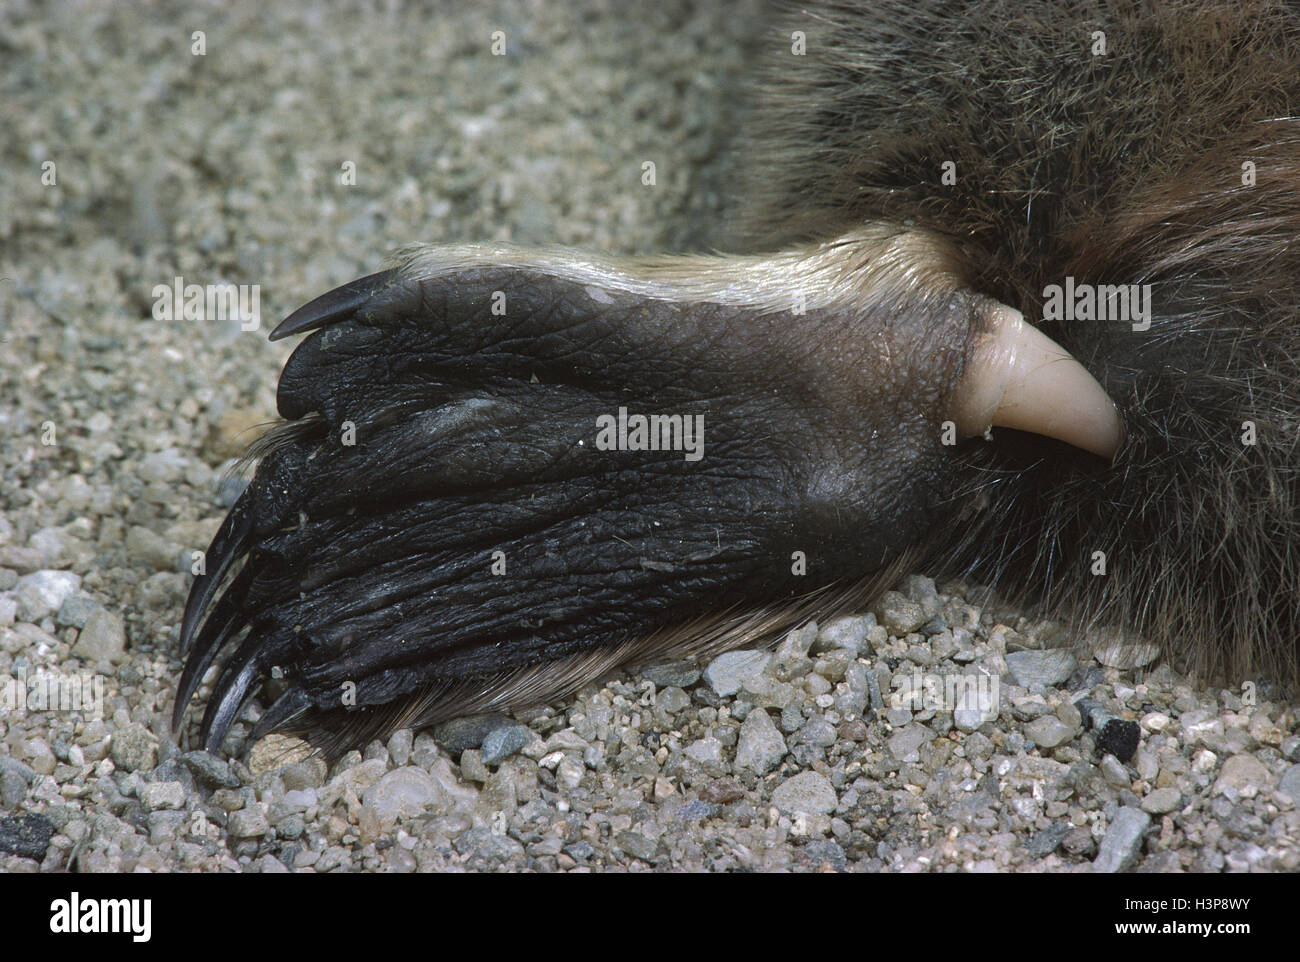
x=117, y=430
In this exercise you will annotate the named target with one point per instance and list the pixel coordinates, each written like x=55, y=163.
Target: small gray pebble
x=728, y=673
x=672, y=700
x=1162, y=801
x=1290, y=783
x=636, y=845
x=898, y=717
x=248, y=823
x=1078, y=841
x=834, y=664
x=151, y=548
x=826, y=851
x=308, y=773
x=1122, y=843
x=102, y=639
x=161, y=795
x=472, y=768
x=1070, y=715
x=579, y=851
x=401, y=793
x=162, y=467
x=1242, y=774
x=1049, y=731
x=13, y=765
x=696, y=811
x=817, y=731
x=676, y=674
x=1045, y=842
x=500, y=743
x=706, y=751
x=1040, y=668
x=760, y=746
x=1114, y=772
x=461, y=733
x=166, y=826
x=1126, y=657
x=41, y=593
x=942, y=645
x=211, y=769
x=844, y=633
x=489, y=847
x=900, y=615
x=808, y=793
x=399, y=746
x=968, y=719
x=134, y=749
x=13, y=790
x=902, y=744
x=76, y=608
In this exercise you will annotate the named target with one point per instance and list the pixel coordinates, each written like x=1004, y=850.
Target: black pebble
x=27, y=836
x=1119, y=737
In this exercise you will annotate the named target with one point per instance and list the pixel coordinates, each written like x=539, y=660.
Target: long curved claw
x=1018, y=377
x=228, y=694
x=225, y=620
x=282, y=712
x=338, y=304
x=229, y=544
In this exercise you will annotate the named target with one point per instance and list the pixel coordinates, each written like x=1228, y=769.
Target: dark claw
x=228, y=545
x=223, y=622
x=286, y=708
x=340, y=303
x=228, y=695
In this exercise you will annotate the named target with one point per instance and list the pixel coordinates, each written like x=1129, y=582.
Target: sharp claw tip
x=293, y=324
x=328, y=308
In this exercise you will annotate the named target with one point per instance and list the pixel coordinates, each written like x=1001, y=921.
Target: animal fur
x=1123, y=168
x=368, y=565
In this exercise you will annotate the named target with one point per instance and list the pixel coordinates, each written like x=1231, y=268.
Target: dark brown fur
x=1118, y=169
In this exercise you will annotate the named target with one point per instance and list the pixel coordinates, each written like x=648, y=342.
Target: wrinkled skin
x=428, y=434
